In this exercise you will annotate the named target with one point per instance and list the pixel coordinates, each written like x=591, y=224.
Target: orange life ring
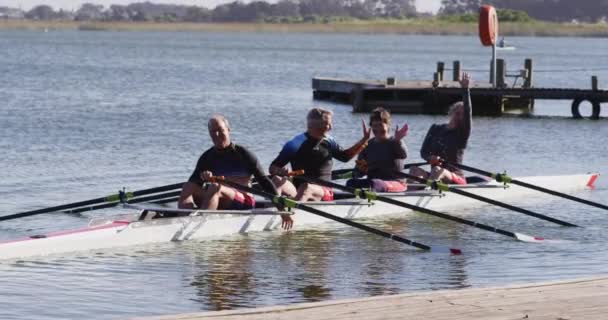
x=488, y=25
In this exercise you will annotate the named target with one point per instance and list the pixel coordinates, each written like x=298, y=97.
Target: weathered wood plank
x=577, y=299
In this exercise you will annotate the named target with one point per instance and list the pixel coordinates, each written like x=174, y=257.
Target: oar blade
x=443, y=249
x=527, y=238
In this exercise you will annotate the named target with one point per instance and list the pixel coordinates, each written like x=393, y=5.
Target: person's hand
x=401, y=133
x=361, y=166
x=206, y=175
x=279, y=171
x=465, y=80
x=287, y=222
x=436, y=161
x=366, y=132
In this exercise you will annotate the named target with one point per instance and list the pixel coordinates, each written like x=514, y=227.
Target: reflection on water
x=226, y=280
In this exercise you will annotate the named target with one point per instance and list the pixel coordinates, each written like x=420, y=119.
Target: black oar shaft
x=496, y=203
x=534, y=187
x=559, y=194
x=511, y=207
x=330, y=216
x=158, y=189
x=91, y=202
x=420, y=209
x=446, y=216
x=52, y=209
x=155, y=197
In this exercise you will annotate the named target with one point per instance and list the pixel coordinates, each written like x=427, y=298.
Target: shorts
x=242, y=201
x=379, y=185
x=328, y=194
x=456, y=179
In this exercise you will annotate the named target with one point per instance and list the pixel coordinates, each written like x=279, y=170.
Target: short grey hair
x=315, y=116
x=218, y=117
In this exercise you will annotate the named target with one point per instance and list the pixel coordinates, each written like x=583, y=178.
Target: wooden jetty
x=435, y=97
x=575, y=299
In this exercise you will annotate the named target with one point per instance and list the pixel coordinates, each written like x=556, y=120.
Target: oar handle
x=295, y=173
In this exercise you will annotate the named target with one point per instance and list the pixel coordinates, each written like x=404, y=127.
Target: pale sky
x=423, y=5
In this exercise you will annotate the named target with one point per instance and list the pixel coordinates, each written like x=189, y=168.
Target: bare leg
x=190, y=196
x=418, y=172
x=284, y=186
x=310, y=192
x=441, y=174
x=217, y=196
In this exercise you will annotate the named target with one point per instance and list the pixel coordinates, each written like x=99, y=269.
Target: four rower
x=227, y=159
x=314, y=150
x=445, y=143
x=382, y=158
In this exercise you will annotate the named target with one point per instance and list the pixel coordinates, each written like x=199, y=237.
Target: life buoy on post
x=488, y=25
x=576, y=114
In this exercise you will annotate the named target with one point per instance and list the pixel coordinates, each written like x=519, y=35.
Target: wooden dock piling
x=440, y=70
x=434, y=97
x=528, y=78
x=501, y=70
x=456, y=70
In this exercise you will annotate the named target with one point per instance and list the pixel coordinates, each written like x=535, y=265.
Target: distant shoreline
x=413, y=27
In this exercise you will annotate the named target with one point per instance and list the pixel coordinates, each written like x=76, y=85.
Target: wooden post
x=528, y=79
x=594, y=85
x=456, y=70
x=390, y=81
x=436, y=80
x=356, y=96
x=501, y=70
x=440, y=68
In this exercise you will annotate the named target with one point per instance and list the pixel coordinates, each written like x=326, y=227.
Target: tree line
x=297, y=11
x=547, y=10
x=283, y=11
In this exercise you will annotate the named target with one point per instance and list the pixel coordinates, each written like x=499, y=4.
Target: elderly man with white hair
x=313, y=151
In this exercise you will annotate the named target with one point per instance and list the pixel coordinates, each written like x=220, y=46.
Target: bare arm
x=467, y=116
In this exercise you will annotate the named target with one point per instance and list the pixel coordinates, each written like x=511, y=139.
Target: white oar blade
x=526, y=238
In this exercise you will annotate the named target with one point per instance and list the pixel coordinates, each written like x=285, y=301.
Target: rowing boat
x=147, y=225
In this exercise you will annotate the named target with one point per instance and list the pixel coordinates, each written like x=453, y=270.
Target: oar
x=373, y=196
x=109, y=198
x=173, y=195
x=348, y=173
x=444, y=187
x=288, y=203
x=500, y=177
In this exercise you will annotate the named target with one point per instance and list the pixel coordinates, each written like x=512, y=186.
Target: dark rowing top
x=384, y=158
x=233, y=161
x=447, y=143
x=313, y=156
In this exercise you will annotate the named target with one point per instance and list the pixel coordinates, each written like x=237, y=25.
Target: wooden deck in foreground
x=567, y=300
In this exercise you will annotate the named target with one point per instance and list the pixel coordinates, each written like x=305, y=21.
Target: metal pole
x=493, y=67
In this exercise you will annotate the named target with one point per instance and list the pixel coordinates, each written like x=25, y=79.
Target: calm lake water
x=87, y=113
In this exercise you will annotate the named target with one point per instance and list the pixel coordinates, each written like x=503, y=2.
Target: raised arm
x=467, y=114
x=348, y=154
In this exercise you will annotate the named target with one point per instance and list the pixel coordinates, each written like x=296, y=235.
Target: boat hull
x=128, y=231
